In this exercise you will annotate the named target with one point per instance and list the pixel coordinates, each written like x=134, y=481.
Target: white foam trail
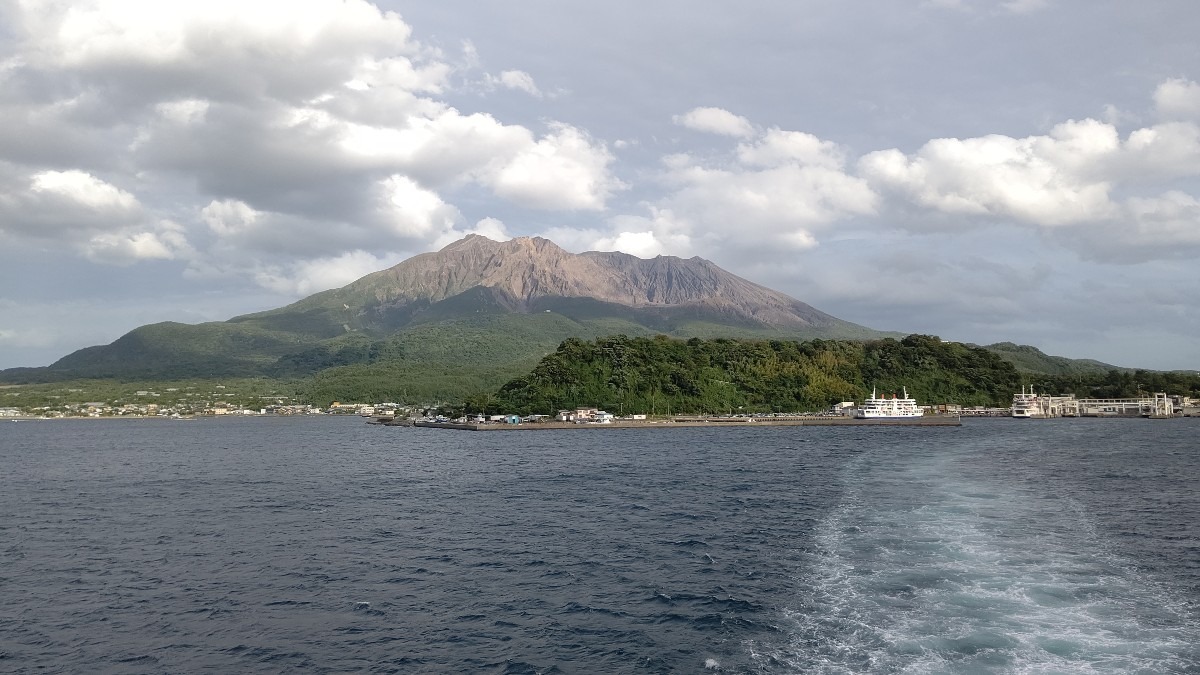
x=929, y=569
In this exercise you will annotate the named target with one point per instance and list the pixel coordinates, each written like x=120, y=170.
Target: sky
x=981, y=170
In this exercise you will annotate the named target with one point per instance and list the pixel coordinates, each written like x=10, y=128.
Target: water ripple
x=328, y=545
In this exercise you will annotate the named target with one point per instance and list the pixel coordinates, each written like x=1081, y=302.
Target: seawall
x=679, y=423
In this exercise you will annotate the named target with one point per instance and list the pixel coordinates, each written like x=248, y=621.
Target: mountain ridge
x=476, y=311
x=471, y=285
x=528, y=269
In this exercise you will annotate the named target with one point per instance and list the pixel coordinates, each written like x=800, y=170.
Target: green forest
x=499, y=371
x=662, y=375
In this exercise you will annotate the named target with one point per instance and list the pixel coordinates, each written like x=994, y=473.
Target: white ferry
x=888, y=408
x=1027, y=405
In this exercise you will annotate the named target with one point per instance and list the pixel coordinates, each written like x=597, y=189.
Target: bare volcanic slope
x=531, y=274
x=473, y=305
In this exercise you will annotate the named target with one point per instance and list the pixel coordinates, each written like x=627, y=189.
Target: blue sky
x=1021, y=170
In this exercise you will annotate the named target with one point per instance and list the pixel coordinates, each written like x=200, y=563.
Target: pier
x=1158, y=406
x=708, y=422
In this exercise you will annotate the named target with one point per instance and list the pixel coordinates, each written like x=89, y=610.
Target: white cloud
x=1116, y=116
x=773, y=194
x=76, y=211
x=307, y=128
x=1152, y=228
x=1173, y=216
x=774, y=200
x=1178, y=99
x=519, y=80
x=574, y=239
x=769, y=197
x=1080, y=175
x=1040, y=179
x=240, y=239
x=785, y=190
x=564, y=170
x=660, y=232
x=1168, y=150
x=279, y=132
x=715, y=121
x=492, y=229
x=413, y=211
x=310, y=276
x=102, y=33
x=127, y=248
x=640, y=244
x=445, y=149
x=67, y=208
x=229, y=216
x=781, y=148
x=83, y=190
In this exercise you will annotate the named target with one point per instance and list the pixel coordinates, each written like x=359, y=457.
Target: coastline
x=28, y=418
x=679, y=423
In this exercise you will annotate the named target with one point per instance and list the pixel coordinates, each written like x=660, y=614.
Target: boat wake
x=931, y=569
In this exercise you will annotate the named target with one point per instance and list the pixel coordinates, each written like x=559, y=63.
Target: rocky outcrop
x=527, y=269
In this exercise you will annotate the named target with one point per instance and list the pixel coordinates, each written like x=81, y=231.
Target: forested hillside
x=658, y=375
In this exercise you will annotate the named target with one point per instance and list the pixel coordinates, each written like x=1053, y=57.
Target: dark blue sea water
x=329, y=545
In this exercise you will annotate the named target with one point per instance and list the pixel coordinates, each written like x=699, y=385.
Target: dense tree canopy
x=659, y=375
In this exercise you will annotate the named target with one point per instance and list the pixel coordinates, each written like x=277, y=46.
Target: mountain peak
x=477, y=283
x=479, y=242
x=528, y=271
x=469, y=241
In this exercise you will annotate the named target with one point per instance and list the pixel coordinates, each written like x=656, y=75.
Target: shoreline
x=32, y=418
x=680, y=423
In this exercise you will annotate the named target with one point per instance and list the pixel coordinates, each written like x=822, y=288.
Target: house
x=579, y=415
x=843, y=409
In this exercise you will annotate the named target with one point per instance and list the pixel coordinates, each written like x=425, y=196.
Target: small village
x=212, y=403
x=207, y=400
x=398, y=414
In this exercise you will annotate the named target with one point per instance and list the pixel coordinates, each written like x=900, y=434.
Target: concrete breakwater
x=684, y=422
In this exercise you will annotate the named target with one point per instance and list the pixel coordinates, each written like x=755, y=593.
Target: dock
x=1158, y=406
x=709, y=422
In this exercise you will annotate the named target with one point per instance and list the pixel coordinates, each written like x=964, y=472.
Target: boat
x=1027, y=405
x=876, y=408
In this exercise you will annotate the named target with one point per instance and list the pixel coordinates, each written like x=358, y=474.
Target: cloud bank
x=1083, y=184
x=235, y=135
x=272, y=149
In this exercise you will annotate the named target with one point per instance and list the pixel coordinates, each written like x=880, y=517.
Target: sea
x=328, y=545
